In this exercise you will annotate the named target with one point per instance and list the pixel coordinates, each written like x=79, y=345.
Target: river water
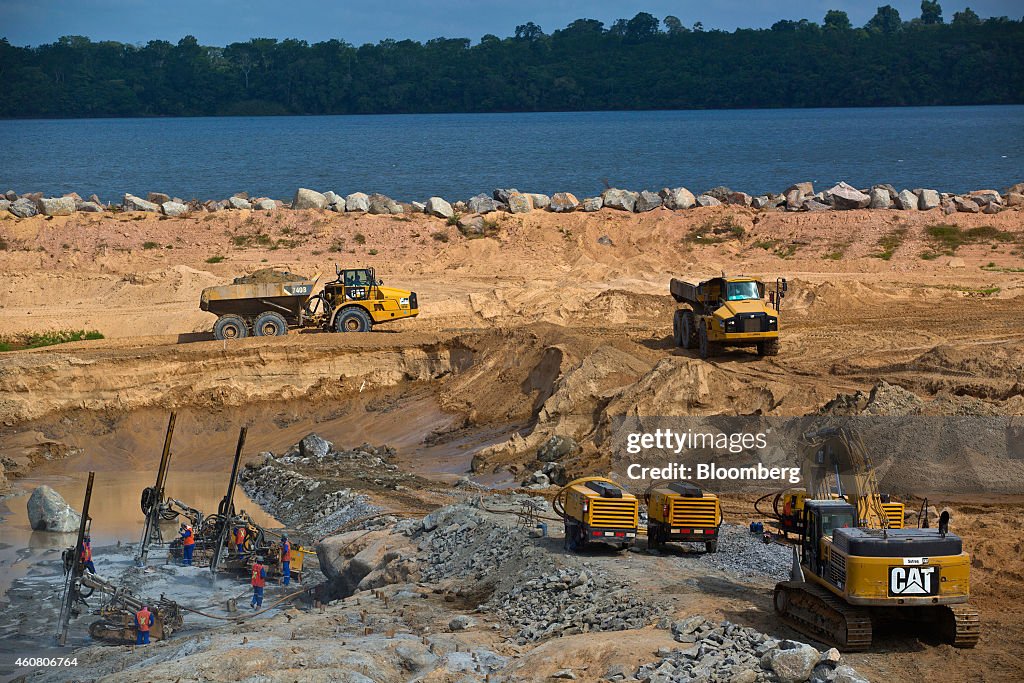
x=412, y=157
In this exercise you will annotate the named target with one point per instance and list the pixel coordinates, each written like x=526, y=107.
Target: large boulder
x=928, y=199
x=308, y=199
x=880, y=199
x=564, y=202
x=90, y=207
x=802, y=189
x=271, y=205
x=382, y=204
x=721, y=193
x=483, y=204
x=845, y=197
x=647, y=201
x=557, y=448
x=592, y=204
x=762, y=201
x=966, y=205
x=792, y=664
x=56, y=206
x=472, y=227
x=1014, y=199
x=357, y=202
x=239, y=203
x=677, y=198
x=133, y=203
x=739, y=199
x=708, y=200
x=437, y=206
x=333, y=199
x=540, y=201
x=518, y=202
x=173, y=209
x=623, y=200
x=502, y=194
x=47, y=511
x=158, y=197
x=314, y=446
x=906, y=201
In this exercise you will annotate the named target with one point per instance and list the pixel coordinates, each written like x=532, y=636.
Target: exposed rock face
x=846, y=197
x=880, y=199
x=133, y=203
x=308, y=199
x=563, y=202
x=591, y=204
x=47, y=511
x=708, y=200
x=483, y=204
x=647, y=201
x=436, y=206
x=623, y=200
x=518, y=202
x=174, y=209
x=906, y=200
x=56, y=206
x=928, y=199
x=357, y=202
x=677, y=198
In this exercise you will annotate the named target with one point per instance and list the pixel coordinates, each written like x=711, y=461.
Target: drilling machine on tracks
x=848, y=576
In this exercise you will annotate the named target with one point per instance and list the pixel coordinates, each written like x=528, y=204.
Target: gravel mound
x=571, y=601
x=746, y=555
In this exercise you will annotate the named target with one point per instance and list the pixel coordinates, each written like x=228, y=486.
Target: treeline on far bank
x=640, y=63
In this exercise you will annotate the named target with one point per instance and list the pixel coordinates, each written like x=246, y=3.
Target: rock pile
x=570, y=601
x=459, y=542
x=797, y=197
x=729, y=653
x=746, y=555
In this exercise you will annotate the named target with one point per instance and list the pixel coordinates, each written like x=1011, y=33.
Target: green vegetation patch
x=36, y=340
x=716, y=231
x=889, y=243
x=945, y=239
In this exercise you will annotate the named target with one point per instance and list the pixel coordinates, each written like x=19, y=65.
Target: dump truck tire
x=769, y=347
x=704, y=346
x=353, y=320
x=270, y=324
x=230, y=327
x=677, y=328
x=689, y=329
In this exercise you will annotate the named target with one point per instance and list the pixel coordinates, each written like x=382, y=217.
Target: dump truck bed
x=251, y=299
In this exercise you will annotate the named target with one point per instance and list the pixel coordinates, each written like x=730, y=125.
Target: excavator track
x=963, y=626
x=816, y=612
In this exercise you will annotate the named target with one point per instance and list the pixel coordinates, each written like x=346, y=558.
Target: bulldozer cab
x=821, y=519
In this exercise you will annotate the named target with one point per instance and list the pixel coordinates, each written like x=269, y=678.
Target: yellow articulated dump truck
x=269, y=303
x=597, y=510
x=727, y=311
x=680, y=511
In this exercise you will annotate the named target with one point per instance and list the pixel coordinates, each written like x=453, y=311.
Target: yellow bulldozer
x=727, y=311
x=269, y=303
x=597, y=510
x=680, y=511
x=852, y=569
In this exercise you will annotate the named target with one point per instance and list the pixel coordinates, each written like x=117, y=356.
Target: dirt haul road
x=553, y=324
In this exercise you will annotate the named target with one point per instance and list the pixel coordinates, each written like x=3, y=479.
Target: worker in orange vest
x=259, y=580
x=286, y=560
x=143, y=622
x=86, y=556
x=240, y=541
x=188, y=544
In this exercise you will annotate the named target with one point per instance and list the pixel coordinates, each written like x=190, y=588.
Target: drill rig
x=851, y=568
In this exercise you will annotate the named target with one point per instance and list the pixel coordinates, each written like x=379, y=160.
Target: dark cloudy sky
x=219, y=22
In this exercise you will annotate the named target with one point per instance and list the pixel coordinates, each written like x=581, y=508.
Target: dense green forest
x=638, y=63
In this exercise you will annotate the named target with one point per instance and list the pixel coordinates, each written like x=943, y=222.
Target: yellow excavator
x=852, y=569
